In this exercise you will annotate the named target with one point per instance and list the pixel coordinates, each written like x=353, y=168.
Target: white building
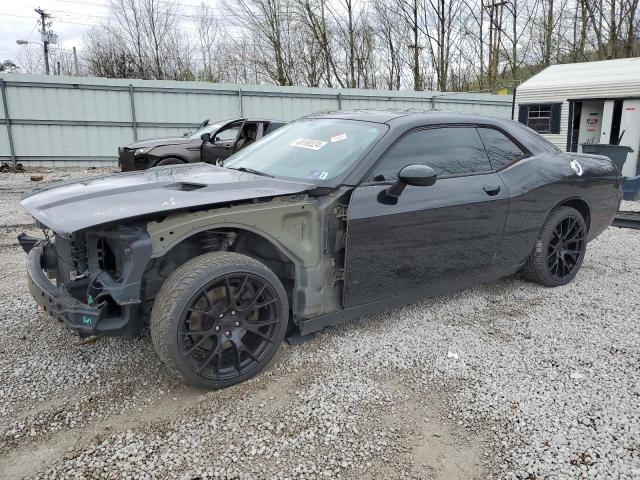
x=594, y=102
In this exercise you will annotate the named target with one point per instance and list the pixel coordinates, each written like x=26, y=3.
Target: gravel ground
x=630, y=206
x=509, y=380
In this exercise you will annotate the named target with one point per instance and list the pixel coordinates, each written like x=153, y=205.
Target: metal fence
x=59, y=120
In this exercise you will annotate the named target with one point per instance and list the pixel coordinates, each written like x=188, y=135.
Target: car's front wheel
x=559, y=249
x=219, y=319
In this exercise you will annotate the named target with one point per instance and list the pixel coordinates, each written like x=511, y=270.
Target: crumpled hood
x=67, y=207
x=160, y=142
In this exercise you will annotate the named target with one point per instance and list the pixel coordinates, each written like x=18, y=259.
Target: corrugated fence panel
x=76, y=120
x=284, y=108
x=67, y=104
x=189, y=108
x=69, y=140
x=145, y=133
x=4, y=142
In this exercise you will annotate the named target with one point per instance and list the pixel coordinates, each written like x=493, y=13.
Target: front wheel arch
x=177, y=160
x=244, y=241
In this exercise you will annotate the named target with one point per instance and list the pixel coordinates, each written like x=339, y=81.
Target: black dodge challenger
x=331, y=217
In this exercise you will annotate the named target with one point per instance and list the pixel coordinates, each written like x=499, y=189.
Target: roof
x=407, y=114
x=589, y=74
x=367, y=115
x=407, y=119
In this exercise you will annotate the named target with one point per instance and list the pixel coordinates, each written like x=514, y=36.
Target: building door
x=630, y=134
x=590, y=122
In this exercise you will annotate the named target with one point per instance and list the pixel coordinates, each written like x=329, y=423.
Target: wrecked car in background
x=331, y=217
x=211, y=143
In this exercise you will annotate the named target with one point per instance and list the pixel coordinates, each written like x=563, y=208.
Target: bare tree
x=9, y=66
x=418, y=44
x=266, y=20
x=145, y=36
x=392, y=38
x=208, y=30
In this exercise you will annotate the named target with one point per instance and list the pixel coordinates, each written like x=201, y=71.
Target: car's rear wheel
x=219, y=319
x=169, y=161
x=559, y=249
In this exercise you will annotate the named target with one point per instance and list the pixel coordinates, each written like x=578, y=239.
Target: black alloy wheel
x=566, y=248
x=219, y=319
x=229, y=326
x=559, y=249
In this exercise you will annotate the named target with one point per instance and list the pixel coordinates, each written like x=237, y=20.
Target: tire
x=219, y=319
x=559, y=250
x=169, y=161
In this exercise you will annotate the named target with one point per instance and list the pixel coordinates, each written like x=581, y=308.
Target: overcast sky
x=71, y=19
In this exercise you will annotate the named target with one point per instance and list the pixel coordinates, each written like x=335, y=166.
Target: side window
x=501, y=150
x=273, y=126
x=449, y=151
x=228, y=134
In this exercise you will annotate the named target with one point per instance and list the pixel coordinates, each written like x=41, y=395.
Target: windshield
x=311, y=149
x=212, y=127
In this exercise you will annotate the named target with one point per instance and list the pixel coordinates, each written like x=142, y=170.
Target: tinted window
x=273, y=126
x=502, y=151
x=449, y=151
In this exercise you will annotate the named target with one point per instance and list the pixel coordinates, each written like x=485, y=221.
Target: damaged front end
x=91, y=281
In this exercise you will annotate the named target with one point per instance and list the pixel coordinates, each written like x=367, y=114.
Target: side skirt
x=318, y=323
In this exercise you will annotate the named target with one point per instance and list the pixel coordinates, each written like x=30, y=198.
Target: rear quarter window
x=533, y=141
x=501, y=149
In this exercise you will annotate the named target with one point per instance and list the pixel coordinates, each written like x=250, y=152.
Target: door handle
x=491, y=190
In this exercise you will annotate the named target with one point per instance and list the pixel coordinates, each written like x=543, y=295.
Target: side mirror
x=205, y=137
x=416, y=175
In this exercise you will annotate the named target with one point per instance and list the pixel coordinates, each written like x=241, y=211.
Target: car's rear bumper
x=57, y=302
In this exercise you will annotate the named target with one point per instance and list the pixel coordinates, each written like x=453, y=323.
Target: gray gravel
x=630, y=205
x=509, y=380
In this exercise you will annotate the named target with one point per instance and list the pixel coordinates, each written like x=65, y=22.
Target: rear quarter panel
x=538, y=184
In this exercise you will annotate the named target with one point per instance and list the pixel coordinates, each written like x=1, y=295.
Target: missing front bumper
x=79, y=316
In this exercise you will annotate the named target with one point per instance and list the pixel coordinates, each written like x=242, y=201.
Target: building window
x=542, y=117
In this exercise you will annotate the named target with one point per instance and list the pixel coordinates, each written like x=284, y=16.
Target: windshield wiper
x=251, y=170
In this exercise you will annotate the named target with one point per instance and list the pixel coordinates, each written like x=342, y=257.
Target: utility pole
x=75, y=62
x=45, y=40
x=495, y=30
x=417, y=78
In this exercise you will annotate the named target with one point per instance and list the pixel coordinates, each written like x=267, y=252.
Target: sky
x=71, y=20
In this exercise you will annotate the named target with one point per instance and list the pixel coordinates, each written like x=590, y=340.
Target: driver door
x=432, y=235
x=222, y=142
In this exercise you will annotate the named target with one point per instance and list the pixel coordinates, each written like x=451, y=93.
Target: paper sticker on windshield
x=338, y=138
x=316, y=173
x=309, y=143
